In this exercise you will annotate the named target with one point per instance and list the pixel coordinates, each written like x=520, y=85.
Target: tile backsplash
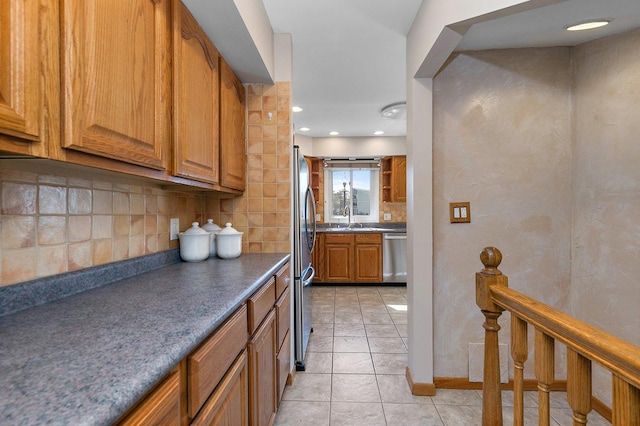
x=55, y=222
x=263, y=212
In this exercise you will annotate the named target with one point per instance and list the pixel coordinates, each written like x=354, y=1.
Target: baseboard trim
x=464, y=383
x=420, y=389
x=291, y=376
x=529, y=385
x=601, y=408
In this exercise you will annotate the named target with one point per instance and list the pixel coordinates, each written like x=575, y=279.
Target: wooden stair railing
x=585, y=344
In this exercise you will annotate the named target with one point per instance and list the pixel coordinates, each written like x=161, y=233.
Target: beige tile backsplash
x=263, y=212
x=55, y=221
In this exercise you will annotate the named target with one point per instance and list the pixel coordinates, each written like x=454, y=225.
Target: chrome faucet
x=347, y=212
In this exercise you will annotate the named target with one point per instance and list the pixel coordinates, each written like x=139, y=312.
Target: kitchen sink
x=354, y=229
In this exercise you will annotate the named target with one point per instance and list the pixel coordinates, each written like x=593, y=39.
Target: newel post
x=490, y=277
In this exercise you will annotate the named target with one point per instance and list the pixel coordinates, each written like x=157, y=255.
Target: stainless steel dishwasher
x=394, y=257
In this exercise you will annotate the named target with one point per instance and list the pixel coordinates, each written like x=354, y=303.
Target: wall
x=501, y=140
x=359, y=147
x=542, y=148
x=429, y=44
x=606, y=200
x=263, y=212
x=56, y=220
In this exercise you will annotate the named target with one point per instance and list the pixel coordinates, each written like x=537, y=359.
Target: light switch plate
x=387, y=216
x=460, y=212
x=174, y=225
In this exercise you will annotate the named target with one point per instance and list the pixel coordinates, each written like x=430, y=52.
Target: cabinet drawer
x=208, y=364
x=283, y=316
x=282, y=279
x=229, y=404
x=261, y=303
x=338, y=238
x=369, y=238
x=284, y=364
x=161, y=406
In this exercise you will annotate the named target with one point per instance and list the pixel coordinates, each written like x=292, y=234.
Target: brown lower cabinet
x=229, y=404
x=262, y=372
x=161, y=406
x=236, y=376
x=349, y=258
x=368, y=258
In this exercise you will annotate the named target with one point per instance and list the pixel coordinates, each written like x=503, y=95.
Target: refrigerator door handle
x=307, y=281
x=311, y=242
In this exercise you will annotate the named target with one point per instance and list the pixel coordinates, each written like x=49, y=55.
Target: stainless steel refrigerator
x=304, y=237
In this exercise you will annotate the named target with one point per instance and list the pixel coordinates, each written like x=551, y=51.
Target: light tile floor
x=355, y=366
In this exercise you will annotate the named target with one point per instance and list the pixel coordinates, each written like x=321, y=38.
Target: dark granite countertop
x=387, y=227
x=86, y=358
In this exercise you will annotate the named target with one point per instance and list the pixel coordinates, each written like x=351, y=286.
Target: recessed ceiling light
x=296, y=109
x=334, y=133
x=304, y=129
x=378, y=132
x=588, y=25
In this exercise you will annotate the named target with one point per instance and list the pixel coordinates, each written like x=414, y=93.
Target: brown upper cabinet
x=130, y=86
x=116, y=79
x=315, y=168
x=394, y=179
x=29, y=85
x=232, y=129
x=196, y=72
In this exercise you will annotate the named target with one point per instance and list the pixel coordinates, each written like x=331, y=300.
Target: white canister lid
x=228, y=230
x=210, y=226
x=195, y=229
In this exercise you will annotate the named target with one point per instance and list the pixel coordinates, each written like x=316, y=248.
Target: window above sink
x=352, y=194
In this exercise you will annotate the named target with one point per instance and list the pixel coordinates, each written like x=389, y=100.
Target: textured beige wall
x=606, y=156
x=501, y=140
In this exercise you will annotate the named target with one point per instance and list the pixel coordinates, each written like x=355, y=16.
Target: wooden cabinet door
x=368, y=258
x=400, y=178
x=284, y=364
x=196, y=100
x=394, y=179
x=160, y=407
x=262, y=373
x=29, y=83
x=116, y=79
x=283, y=317
x=338, y=256
x=229, y=404
x=211, y=360
x=232, y=131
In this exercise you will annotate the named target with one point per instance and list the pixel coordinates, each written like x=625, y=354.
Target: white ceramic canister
x=213, y=229
x=194, y=244
x=228, y=242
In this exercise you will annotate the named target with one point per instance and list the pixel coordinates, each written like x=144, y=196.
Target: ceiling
x=544, y=26
x=348, y=62
x=349, y=55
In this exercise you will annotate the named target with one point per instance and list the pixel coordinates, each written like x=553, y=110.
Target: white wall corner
x=283, y=56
